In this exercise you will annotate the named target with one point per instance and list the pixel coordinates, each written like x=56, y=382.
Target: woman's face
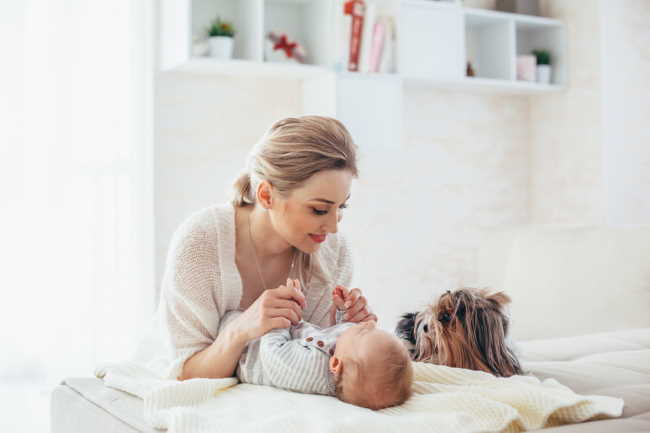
x=311, y=212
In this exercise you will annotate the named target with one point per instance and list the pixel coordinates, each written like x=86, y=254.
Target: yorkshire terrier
x=466, y=328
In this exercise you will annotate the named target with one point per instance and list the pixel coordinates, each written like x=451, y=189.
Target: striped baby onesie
x=295, y=358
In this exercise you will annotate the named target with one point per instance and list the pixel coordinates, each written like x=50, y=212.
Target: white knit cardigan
x=201, y=284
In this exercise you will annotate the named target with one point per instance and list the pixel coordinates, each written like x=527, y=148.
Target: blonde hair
x=289, y=153
x=390, y=388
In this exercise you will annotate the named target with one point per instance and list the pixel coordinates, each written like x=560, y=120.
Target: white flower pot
x=221, y=47
x=544, y=74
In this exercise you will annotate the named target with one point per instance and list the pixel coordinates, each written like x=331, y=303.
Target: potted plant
x=220, y=34
x=543, y=66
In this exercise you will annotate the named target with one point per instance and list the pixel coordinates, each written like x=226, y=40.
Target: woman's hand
x=274, y=308
x=354, y=304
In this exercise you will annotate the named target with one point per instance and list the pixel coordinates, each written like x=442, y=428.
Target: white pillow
x=575, y=280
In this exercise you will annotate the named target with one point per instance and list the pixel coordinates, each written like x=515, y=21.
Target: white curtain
x=76, y=210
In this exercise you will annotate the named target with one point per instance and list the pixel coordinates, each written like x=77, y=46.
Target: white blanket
x=445, y=400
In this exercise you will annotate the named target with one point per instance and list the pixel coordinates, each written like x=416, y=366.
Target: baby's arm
x=349, y=307
x=291, y=364
x=339, y=295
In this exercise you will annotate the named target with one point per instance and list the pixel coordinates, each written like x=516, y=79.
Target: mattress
x=86, y=405
x=613, y=364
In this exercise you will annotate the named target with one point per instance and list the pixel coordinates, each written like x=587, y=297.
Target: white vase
x=221, y=47
x=544, y=74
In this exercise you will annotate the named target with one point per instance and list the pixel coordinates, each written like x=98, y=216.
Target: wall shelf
x=435, y=38
x=206, y=65
x=434, y=41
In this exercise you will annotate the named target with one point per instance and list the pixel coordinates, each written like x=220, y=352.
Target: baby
x=356, y=362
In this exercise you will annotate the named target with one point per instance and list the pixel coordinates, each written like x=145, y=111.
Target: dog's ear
x=490, y=334
x=499, y=298
x=405, y=328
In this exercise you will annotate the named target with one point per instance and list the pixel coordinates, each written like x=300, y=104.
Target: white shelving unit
x=490, y=45
x=435, y=39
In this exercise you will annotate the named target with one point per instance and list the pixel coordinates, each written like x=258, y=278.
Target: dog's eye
x=444, y=317
x=426, y=328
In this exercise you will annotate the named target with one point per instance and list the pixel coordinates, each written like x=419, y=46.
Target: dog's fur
x=466, y=328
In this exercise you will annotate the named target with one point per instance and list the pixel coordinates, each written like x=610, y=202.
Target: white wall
x=12, y=88
x=205, y=126
x=625, y=64
x=417, y=213
x=566, y=135
x=469, y=163
x=590, y=158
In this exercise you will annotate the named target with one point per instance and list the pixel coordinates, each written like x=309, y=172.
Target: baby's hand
x=294, y=284
x=339, y=296
x=353, y=303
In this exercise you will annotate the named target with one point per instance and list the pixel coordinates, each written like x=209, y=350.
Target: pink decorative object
x=377, y=45
x=526, y=67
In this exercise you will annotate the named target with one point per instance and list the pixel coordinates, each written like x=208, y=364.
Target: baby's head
x=371, y=367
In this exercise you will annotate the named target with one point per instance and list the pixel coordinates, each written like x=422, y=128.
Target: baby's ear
x=336, y=366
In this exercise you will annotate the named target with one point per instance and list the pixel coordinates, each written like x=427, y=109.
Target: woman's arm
x=276, y=308
x=218, y=360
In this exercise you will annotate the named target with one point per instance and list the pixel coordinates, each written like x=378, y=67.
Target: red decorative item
x=284, y=44
x=356, y=8
x=293, y=50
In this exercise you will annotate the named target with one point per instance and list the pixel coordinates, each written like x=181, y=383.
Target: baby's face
x=365, y=343
x=360, y=342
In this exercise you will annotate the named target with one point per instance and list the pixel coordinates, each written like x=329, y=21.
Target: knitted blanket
x=444, y=400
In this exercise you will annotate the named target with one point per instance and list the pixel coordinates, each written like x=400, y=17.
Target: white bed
x=612, y=364
x=553, y=340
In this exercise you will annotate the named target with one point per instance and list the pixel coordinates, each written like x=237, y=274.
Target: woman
x=282, y=223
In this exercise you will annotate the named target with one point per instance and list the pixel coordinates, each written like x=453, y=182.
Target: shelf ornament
x=283, y=49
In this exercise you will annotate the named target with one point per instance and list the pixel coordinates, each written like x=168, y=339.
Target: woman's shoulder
x=209, y=224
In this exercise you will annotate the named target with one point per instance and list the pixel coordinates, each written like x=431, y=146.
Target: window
x=76, y=212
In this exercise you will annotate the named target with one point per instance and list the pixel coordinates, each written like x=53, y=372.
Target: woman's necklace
x=257, y=263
